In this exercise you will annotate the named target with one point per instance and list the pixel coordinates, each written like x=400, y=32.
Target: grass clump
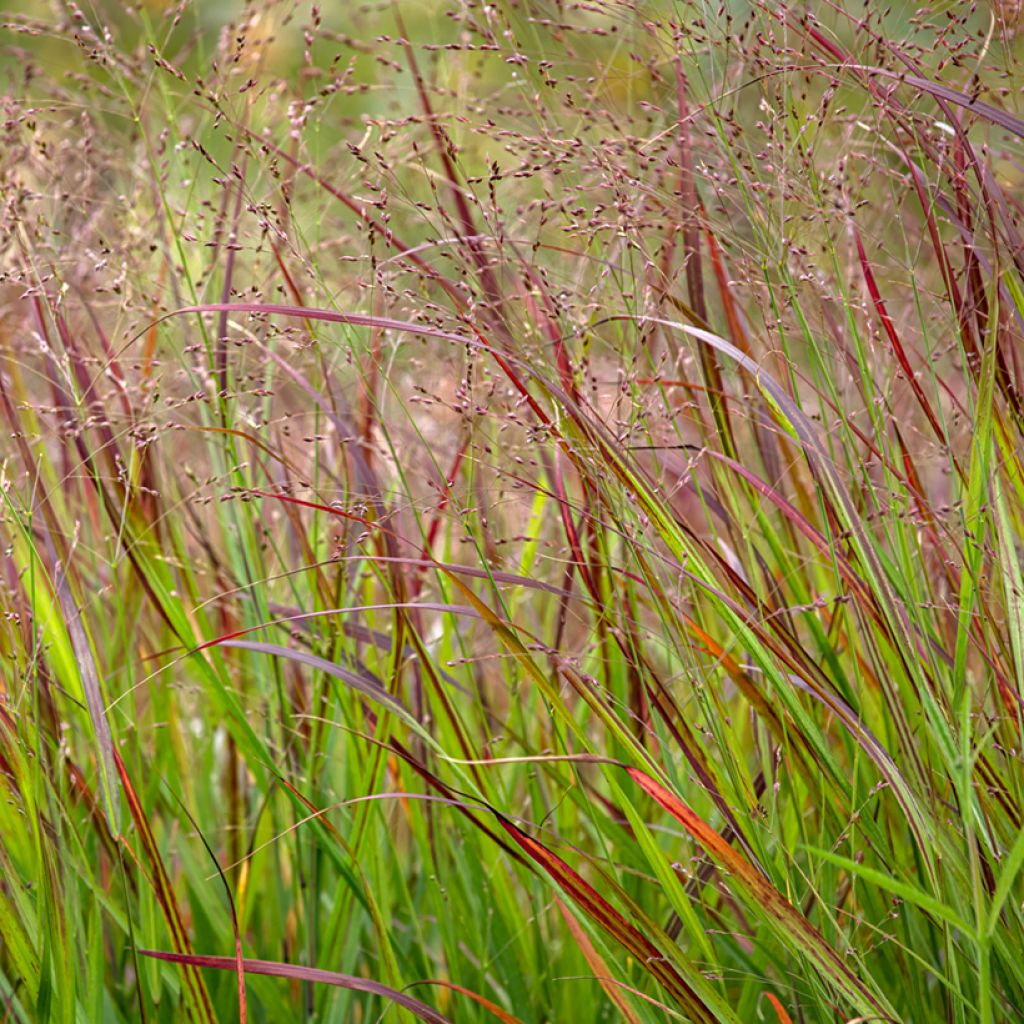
x=511, y=512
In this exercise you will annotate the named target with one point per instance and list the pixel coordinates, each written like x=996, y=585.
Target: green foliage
x=511, y=512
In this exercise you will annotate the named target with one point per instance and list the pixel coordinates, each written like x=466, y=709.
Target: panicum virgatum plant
x=511, y=511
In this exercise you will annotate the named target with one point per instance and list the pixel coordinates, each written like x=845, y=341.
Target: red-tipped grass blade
x=786, y=920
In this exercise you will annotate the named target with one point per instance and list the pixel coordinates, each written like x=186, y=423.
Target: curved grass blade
x=492, y=1008
x=362, y=684
x=316, y=975
x=780, y=1010
x=996, y=115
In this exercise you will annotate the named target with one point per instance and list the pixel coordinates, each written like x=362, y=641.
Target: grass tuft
x=511, y=512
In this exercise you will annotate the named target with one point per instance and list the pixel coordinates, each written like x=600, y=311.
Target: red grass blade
x=295, y=972
x=492, y=1008
x=599, y=910
x=996, y=115
x=894, y=340
x=780, y=1010
x=597, y=965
